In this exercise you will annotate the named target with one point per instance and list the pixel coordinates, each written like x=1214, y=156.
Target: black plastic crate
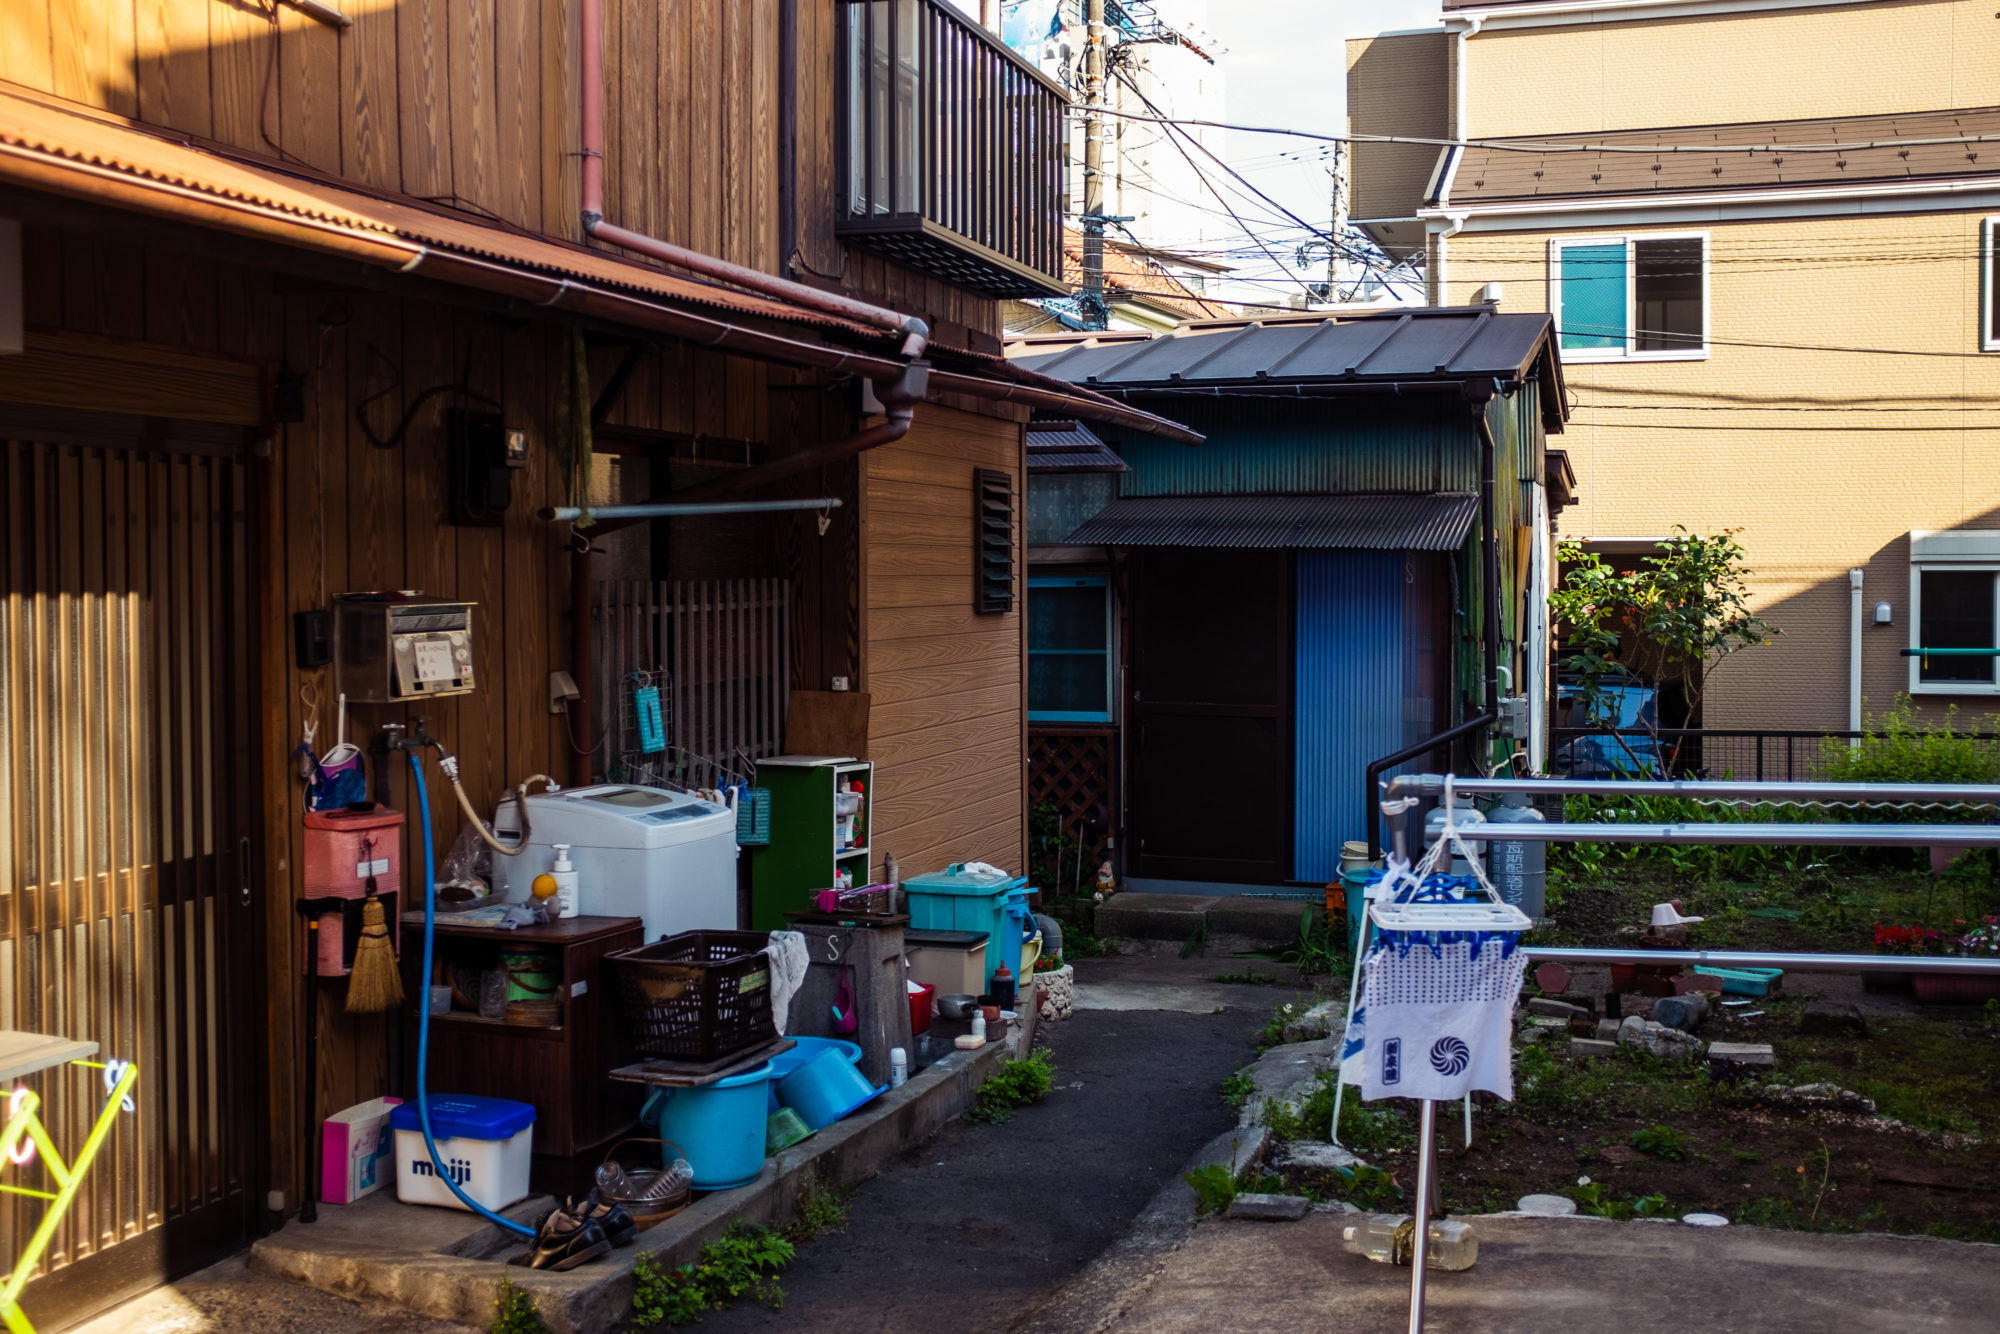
x=697, y=995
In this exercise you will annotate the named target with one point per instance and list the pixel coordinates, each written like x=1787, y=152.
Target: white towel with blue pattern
x=1435, y=1018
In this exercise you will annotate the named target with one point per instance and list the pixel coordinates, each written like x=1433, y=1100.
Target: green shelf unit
x=805, y=853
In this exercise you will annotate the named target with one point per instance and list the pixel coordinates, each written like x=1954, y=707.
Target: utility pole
x=1339, y=232
x=1093, y=164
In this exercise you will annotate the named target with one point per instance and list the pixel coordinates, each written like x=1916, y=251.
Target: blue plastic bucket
x=787, y=1061
x=719, y=1126
x=825, y=1089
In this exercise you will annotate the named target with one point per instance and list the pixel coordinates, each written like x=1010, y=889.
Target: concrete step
x=1177, y=917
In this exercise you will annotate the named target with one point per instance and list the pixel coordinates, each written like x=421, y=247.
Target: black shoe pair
x=576, y=1234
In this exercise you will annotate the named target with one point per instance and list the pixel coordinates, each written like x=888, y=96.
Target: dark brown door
x=1211, y=715
x=127, y=775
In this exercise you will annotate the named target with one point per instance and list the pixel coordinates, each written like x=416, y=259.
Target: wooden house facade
x=1355, y=560
x=253, y=264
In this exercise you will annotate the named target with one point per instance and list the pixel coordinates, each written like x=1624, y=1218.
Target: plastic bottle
x=899, y=1067
x=979, y=1024
x=565, y=875
x=1003, y=987
x=1453, y=1244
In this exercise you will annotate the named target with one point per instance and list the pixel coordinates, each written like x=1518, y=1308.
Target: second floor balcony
x=952, y=150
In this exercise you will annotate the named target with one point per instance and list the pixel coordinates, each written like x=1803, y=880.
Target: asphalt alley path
x=982, y=1222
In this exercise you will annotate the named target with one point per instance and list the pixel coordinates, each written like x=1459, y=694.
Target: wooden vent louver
x=993, y=497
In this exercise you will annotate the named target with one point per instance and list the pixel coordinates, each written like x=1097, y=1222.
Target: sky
x=1286, y=65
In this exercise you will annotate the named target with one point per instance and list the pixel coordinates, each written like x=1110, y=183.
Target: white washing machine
x=664, y=857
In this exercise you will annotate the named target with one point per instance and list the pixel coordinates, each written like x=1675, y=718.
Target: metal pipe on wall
x=916, y=333
x=1489, y=561
x=677, y=509
x=1854, y=654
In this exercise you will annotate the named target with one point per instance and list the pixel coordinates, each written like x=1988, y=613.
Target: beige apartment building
x=1766, y=230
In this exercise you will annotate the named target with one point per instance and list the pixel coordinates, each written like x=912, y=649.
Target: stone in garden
x=1556, y=1009
x=1621, y=1153
x=1286, y=1074
x=1668, y=1044
x=1815, y=1098
x=1607, y=1030
x=1304, y=1155
x=1546, y=1206
x=1590, y=1049
x=1270, y=1208
x=1686, y=1012
x=1318, y=1022
x=1735, y=1058
x=1833, y=1019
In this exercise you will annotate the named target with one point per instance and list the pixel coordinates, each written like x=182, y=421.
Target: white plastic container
x=486, y=1144
x=564, y=874
x=664, y=857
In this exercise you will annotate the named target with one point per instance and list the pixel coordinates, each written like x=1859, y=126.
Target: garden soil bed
x=1927, y=1162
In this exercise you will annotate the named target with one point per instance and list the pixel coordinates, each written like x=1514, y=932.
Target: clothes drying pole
x=1399, y=797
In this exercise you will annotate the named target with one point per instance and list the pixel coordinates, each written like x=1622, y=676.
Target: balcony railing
x=952, y=150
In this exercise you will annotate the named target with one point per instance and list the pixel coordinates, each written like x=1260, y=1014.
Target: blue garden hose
x=424, y=1015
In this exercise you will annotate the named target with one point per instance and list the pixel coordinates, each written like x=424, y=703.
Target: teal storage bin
x=956, y=899
x=720, y=1126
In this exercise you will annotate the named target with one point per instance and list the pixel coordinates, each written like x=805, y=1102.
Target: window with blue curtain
x=1592, y=287
x=1069, y=648
x=1644, y=297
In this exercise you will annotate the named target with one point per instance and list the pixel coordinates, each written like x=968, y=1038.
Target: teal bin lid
x=957, y=880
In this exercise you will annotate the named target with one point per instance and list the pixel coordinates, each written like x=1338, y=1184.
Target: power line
x=1549, y=146
x=1756, y=426
x=1694, y=343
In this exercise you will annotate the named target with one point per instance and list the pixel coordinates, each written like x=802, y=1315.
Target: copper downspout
x=916, y=334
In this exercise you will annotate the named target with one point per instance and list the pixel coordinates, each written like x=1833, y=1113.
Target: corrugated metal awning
x=1069, y=446
x=1437, y=522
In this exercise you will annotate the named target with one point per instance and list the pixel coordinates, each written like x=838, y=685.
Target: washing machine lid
x=618, y=815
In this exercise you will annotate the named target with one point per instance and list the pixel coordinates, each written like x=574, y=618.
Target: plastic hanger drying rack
x=1424, y=902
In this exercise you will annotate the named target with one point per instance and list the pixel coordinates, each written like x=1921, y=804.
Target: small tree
x=1680, y=615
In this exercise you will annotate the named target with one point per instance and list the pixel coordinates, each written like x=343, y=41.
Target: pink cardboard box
x=357, y=1151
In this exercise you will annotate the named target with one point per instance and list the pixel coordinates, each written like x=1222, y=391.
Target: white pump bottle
x=565, y=878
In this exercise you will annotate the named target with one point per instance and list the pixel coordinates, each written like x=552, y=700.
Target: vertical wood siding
x=472, y=103
x=946, y=728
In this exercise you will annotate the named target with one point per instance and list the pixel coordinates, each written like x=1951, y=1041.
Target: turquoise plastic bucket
x=787, y=1061
x=825, y=1089
x=719, y=1126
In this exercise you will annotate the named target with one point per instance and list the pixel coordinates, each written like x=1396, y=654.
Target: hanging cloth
x=789, y=961
x=1434, y=1015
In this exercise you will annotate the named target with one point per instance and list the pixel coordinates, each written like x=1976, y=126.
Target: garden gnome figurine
x=1107, y=880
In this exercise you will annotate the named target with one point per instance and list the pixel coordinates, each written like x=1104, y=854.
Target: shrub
x=1015, y=1084
x=1903, y=748
x=1214, y=1188
x=516, y=1314
x=1660, y=1141
x=744, y=1259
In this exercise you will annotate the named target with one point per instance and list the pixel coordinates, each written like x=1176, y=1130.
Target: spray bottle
x=565, y=877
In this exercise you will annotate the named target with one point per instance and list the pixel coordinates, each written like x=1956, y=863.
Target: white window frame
x=1961, y=552
x=1582, y=355
x=1989, y=335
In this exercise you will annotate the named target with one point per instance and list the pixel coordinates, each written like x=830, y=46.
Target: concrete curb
x=458, y=1279
x=1104, y=1288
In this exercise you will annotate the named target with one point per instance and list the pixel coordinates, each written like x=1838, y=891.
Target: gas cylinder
x=1465, y=816
x=1519, y=869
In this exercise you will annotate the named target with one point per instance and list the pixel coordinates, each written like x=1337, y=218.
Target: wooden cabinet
x=820, y=827
x=563, y=1070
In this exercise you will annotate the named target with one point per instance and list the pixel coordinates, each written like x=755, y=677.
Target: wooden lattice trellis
x=1075, y=770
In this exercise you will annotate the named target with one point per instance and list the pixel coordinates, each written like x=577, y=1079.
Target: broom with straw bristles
x=376, y=984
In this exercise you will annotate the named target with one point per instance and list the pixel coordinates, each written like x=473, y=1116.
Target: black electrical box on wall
x=483, y=456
